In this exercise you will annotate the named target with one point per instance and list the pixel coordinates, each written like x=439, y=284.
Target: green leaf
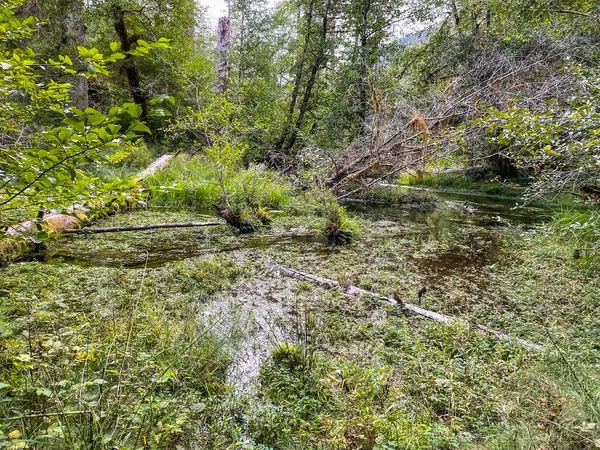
x=65, y=134
x=139, y=126
x=115, y=46
x=133, y=109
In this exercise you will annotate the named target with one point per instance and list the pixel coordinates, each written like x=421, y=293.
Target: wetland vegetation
x=451, y=172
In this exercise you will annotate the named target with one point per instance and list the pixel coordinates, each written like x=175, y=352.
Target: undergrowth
x=106, y=358
x=580, y=230
x=487, y=185
x=192, y=182
x=396, y=197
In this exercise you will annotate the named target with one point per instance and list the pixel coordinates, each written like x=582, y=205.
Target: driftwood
x=408, y=307
x=141, y=227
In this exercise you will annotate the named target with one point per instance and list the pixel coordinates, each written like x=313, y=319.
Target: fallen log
x=18, y=240
x=414, y=309
x=141, y=227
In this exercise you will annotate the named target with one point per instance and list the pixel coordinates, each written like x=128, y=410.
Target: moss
x=10, y=250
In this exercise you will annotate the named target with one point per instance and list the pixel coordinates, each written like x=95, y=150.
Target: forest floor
x=192, y=338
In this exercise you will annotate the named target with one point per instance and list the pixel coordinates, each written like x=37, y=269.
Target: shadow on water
x=447, y=221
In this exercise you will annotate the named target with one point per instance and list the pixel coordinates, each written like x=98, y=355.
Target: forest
x=306, y=224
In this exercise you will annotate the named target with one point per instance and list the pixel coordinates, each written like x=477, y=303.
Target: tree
x=47, y=142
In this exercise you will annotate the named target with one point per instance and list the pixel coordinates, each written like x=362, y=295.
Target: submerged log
x=408, y=307
x=141, y=227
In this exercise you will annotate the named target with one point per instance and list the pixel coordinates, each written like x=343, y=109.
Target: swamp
x=347, y=224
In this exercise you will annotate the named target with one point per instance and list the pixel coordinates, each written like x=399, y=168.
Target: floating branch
x=356, y=292
x=141, y=227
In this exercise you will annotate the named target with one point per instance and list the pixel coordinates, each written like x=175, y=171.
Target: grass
x=105, y=357
x=486, y=185
x=579, y=230
x=396, y=197
x=350, y=372
x=190, y=182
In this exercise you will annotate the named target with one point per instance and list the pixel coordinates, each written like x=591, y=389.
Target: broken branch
x=141, y=227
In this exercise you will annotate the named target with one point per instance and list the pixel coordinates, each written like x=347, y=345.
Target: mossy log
x=408, y=307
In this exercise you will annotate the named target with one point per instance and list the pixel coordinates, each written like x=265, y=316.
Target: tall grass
x=461, y=182
x=192, y=182
x=581, y=229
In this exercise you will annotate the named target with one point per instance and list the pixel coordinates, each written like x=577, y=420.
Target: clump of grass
x=288, y=354
x=335, y=225
x=339, y=228
x=192, y=182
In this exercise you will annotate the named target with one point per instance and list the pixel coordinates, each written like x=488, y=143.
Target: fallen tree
x=407, y=307
x=141, y=227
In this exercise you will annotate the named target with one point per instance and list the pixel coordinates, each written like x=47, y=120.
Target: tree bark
x=223, y=40
x=314, y=69
x=133, y=76
x=299, y=72
x=414, y=309
x=364, y=56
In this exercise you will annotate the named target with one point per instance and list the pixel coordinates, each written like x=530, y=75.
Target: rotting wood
x=414, y=309
x=141, y=227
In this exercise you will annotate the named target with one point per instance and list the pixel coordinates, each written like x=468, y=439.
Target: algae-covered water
x=431, y=249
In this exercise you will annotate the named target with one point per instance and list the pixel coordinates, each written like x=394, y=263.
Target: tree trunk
x=133, y=76
x=314, y=69
x=299, y=72
x=223, y=40
x=364, y=56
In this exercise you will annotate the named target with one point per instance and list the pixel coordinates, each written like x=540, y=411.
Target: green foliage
x=335, y=225
x=484, y=182
x=127, y=373
x=559, y=143
x=50, y=145
x=196, y=183
x=580, y=229
x=398, y=197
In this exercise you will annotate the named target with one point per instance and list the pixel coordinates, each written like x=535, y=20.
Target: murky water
x=147, y=249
